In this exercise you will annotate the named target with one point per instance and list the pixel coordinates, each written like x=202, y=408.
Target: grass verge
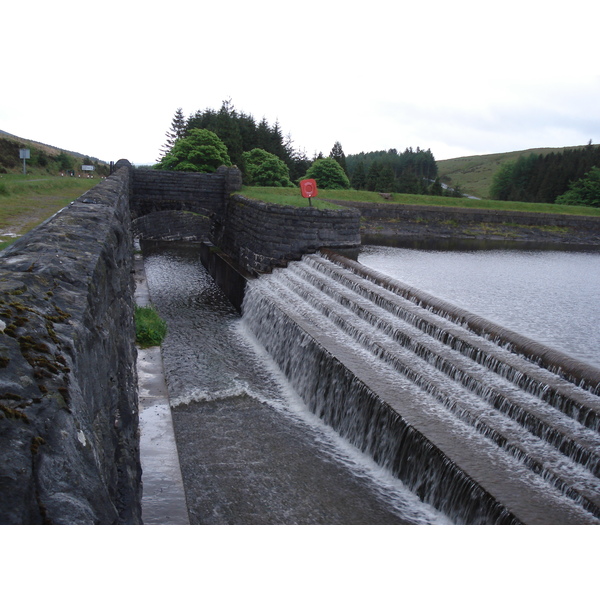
x=26, y=201
x=150, y=329
x=291, y=196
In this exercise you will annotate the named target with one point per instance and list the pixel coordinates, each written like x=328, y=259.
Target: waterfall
x=481, y=432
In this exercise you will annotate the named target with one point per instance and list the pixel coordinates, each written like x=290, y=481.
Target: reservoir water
x=551, y=297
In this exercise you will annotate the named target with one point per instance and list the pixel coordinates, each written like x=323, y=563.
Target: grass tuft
x=150, y=329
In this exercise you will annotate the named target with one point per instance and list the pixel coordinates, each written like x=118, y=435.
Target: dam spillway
x=485, y=427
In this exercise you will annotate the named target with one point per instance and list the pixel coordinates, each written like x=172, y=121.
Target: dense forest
x=408, y=172
x=240, y=133
x=411, y=171
x=537, y=178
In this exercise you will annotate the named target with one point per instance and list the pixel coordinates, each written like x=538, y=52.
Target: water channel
x=250, y=450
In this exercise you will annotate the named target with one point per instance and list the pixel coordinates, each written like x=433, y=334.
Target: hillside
x=45, y=159
x=474, y=173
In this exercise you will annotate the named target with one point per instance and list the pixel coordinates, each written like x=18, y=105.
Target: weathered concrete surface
x=68, y=386
x=163, y=500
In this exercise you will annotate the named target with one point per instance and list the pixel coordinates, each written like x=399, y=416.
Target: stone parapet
x=68, y=384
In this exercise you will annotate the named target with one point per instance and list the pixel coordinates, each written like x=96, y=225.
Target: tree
x=584, y=191
x=263, y=168
x=200, y=150
x=328, y=174
x=176, y=132
x=338, y=155
x=359, y=177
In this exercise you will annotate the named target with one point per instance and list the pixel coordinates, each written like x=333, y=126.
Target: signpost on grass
x=24, y=153
x=308, y=188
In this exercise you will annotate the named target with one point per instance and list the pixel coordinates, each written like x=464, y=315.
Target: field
x=292, y=196
x=28, y=200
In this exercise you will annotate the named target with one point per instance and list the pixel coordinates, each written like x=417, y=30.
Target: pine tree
x=338, y=155
x=359, y=176
x=175, y=133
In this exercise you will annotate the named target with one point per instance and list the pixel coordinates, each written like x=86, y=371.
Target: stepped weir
x=482, y=423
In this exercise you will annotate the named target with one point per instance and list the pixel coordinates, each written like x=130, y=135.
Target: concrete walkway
x=163, y=500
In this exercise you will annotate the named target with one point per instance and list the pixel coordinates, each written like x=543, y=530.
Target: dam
x=459, y=419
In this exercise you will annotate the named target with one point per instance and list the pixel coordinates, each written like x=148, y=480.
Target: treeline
x=411, y=171
x=543, y=178
x=240, y=133
x=408, y=172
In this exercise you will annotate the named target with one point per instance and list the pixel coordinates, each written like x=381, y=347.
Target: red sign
x=308, y=187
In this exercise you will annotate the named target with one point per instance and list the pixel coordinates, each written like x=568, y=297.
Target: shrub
x=328, y=174
x=201, y=150
x=265, y=169
x=150, y=329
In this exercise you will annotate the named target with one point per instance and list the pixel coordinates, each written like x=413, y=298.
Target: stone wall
x=410, y=222
x=68, y=384
x=155, y=190
x=172, y=225
x=260, y=236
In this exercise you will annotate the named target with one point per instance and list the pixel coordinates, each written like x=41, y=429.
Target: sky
x=458, y=77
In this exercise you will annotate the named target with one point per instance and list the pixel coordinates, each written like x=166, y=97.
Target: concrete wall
x=260, y=236
x=68, y=385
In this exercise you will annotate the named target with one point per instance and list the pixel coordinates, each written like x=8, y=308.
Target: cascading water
x=250, y=451
x=482, y=433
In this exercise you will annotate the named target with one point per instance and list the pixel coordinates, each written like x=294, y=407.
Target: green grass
x=289, y=196
x=150, y=329
x=26, y=201
x=286, y=197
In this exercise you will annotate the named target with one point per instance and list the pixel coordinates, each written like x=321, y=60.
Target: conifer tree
x=176, y=132
x=338, y=155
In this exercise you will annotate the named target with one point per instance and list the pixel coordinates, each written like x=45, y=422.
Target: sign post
x=308, y=188
x=24, y=153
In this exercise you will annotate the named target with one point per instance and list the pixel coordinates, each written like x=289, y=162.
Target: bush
x=201, y=150
x=328, y=174
x=265, y=169
x=150, y=329
x=584, y=191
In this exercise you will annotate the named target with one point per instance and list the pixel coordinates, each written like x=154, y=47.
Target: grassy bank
x=291, y=196
x=286, y=196
x=26, y=201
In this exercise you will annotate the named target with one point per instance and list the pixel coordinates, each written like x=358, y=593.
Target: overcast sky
x=460, y=77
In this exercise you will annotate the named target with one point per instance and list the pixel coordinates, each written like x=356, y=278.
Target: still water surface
x=551, y=297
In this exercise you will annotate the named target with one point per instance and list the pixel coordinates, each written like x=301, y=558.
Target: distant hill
x=44, y=157
x=474, y=174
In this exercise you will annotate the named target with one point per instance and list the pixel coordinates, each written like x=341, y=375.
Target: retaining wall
x=410, y=222
x=260, y=236
x=68, y=384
